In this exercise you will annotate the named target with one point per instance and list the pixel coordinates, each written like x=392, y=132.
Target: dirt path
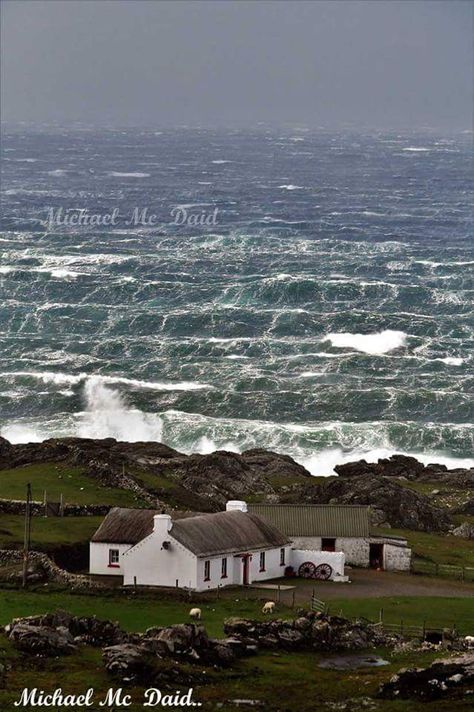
x=366, y=583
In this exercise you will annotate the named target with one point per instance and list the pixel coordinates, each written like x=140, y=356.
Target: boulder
x=464, y=531
x=41, y=640
x=442, y=679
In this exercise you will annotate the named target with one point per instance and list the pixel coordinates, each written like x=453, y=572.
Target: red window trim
x=113, y=566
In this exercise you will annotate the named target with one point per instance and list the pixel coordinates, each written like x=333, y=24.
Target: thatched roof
x=226, y=532
x=326, y=520
x=204, y=535
x=125, y=526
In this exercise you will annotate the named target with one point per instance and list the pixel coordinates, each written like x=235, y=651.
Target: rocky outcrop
x=442, y=679
x=464, y=531
x=41, y=640
x=408, y=468
x=82, y=629
x=310, y=631
x=390, y=502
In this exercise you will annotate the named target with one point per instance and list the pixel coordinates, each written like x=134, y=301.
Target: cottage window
x=224, y=568
x=114, y=557
x=282, y=557
x=262, y=561
x=207, y=571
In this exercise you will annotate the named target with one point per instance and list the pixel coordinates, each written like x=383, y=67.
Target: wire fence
x=430, y=568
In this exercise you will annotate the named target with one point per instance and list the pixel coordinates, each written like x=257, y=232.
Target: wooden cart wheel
x=307, y=570
x=322, y=572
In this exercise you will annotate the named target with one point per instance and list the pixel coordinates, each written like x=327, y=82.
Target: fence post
x=381, y=615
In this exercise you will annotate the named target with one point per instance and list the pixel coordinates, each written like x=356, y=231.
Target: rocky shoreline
x=206, y=482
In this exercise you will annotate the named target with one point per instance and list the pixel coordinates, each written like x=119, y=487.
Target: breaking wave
x=374, y=344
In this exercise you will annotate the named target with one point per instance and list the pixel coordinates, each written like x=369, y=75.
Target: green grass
x=47, y=531
x=439, y=548
x=282, y=682
x=56, y=479
x=133, y=614
x=437, y=612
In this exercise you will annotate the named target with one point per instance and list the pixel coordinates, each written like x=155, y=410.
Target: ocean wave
x=317, y=446
x=374, y=344
x=61, y=379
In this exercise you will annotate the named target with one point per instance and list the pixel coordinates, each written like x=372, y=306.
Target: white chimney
x=236, y=505
x=162, y=523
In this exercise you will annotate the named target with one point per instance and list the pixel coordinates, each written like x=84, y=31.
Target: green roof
x=328, y=520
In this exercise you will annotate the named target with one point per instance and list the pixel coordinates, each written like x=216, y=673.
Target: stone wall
x=397, y=558
x=17, y=506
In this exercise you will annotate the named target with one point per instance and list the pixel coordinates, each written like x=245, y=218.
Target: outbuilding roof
x=204, y=534
x=325, y=520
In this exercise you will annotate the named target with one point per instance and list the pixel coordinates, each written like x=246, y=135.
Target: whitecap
x=73, y=379
x=416, y=149
x=120, y=174
x=374, y=344
x=220, y=161
x=290, y=186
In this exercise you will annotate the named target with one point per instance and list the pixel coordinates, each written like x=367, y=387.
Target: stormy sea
x=324, y=310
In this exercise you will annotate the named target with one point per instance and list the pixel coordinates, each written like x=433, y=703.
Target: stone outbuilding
x=337, y=527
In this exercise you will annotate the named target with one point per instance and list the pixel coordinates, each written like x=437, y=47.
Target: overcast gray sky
x=379, y=63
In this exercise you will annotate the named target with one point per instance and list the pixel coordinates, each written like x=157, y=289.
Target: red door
x=246, y=561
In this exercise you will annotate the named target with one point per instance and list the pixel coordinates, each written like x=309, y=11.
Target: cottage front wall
x=235, y=568
x=356, y=549
x=152, y=565
x=273, y=568
x=215, y=572
x=99, y=559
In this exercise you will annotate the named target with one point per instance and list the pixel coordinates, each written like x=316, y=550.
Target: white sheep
x=469, y=640
x=195, y=613
x=268, y=607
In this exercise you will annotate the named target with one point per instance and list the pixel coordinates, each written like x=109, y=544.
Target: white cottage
x=199, y=552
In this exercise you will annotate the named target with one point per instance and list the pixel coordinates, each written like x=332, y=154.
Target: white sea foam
x=120, y=174
x=220, y=161
x=107, y=415
x=290, y=186
x=452, y=360
x=5, y=269
x=379, y=343
x=416, y=149
x=322, y=463
x=61, y=379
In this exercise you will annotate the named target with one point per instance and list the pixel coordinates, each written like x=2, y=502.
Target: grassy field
x=47, y=531
x=56, y=479
x=435, y=612
x=280, y=682
x=136, y=613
